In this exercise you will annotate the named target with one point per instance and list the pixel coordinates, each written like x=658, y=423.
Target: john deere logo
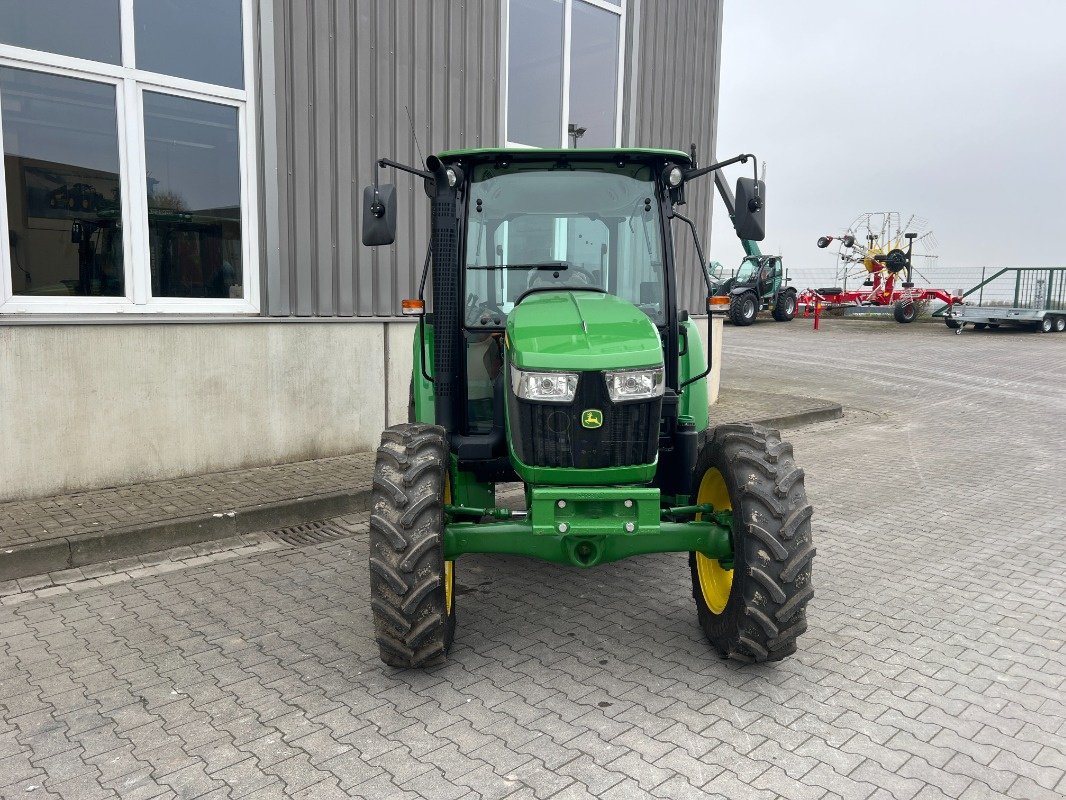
x=592, y=418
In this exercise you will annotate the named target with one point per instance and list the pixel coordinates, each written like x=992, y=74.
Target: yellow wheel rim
x=449, y=566
x=715, y=582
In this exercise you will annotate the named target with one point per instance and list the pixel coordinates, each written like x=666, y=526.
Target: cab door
x=769, y=276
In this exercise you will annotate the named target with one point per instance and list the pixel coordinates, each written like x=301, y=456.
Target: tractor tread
x=414, y=554
x=393, y=489
x=412, y=624
x=385, y=527
x=774, y=552
x=768, y=624
x=753, y=461
x=797, y=601
x=792, y=568
x=795, y=520
x=785, y=482
x=777, y=594
x=777, y=549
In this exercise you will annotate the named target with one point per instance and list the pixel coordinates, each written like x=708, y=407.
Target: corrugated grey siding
x=345, y=74
x=671, y=100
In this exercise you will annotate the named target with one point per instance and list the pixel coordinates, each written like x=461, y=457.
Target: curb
x=801, y=418
x=107, y=545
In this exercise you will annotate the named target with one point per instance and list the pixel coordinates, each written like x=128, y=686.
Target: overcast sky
x=954, y=111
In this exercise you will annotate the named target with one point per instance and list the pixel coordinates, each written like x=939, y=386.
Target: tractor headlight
x=634, y=384
x=547, y=387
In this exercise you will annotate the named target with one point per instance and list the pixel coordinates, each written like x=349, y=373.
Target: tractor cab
x=556, y=356
x=763, y=273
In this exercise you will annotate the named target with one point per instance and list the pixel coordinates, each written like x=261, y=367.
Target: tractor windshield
x=546, y=225
x=748, y=267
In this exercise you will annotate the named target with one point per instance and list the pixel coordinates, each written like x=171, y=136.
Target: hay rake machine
x=880, y=250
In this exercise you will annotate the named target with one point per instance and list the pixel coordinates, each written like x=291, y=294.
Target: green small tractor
x=556, y=356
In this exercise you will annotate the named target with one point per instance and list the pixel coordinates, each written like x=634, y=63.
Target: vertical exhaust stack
x=444, y=241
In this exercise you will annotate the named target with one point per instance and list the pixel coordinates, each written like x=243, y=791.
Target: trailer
x=1016, y=297
x=981, y=317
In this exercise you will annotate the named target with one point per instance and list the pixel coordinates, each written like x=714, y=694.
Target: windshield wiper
x=552, y=266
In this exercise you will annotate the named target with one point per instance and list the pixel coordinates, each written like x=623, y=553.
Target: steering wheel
x=567, y=275
x=482, y=312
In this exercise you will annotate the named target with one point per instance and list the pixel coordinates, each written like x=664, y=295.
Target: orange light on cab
x=413, y=308
x=718, y=303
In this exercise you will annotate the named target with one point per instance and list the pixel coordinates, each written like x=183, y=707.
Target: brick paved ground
x=935, y=663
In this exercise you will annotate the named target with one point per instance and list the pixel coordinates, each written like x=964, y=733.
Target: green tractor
x=761, y=282
x=556, y=356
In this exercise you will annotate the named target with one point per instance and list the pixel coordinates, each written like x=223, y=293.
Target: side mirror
x=379, y=215
x=750, y=219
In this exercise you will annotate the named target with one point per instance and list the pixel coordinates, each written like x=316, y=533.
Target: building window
x=564, y=73
x=127, y=183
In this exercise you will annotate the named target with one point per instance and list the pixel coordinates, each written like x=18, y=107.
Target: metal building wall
x=670, y=99
x=345, y=75
x=338, y=80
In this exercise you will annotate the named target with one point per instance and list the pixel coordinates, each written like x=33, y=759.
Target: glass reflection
x=195, y=39
x=61, y=162
x=79, y=28
x=535, y=73
x=194, y=197
x=593, y=75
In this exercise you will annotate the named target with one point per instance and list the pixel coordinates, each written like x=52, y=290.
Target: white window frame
x=130, y=84
x=568, y=8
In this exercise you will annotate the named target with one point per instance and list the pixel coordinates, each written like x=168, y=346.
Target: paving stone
x=924, y=673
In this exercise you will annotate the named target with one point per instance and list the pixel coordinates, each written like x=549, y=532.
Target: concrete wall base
x=90, y=406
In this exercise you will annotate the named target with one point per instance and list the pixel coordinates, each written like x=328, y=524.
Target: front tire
x=785, y=307
x=743, y=308
x=412, y=593
x=953, y=324
x=755, y=611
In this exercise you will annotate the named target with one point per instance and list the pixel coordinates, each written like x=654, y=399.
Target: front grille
x=551, y=434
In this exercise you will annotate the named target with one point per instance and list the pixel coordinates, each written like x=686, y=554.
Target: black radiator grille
x=551, y=434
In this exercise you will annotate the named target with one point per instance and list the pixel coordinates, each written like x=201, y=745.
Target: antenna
x=414, y=136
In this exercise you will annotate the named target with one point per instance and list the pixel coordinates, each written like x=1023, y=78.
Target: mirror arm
x=710, y=291
x=377, y=208
x=381, y=163
x=742, y=159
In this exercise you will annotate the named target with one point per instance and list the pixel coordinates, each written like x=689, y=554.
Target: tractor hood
x=567, y=330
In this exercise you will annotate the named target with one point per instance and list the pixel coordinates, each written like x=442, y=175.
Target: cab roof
x=485, y=153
